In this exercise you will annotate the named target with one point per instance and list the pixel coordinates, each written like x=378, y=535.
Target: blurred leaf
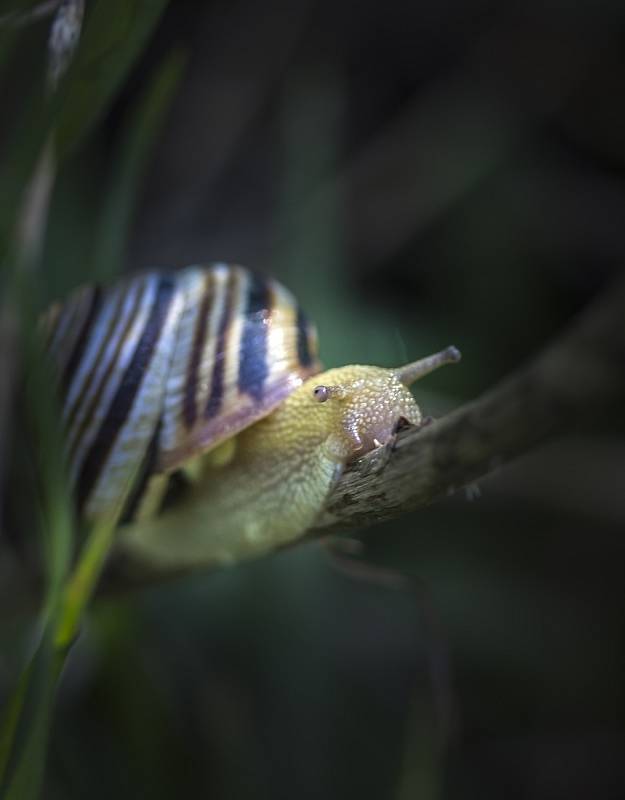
x=13, y=11
x=26, y=726
x=8, y=38
x=114, y=35
x=129, y=167
x=11, y=720
x=27, y=140
x=82, y=583
x=41, y=414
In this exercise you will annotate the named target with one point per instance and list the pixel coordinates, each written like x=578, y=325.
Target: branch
x=579, y=377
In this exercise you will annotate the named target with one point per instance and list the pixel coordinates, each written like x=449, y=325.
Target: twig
x=576, y=379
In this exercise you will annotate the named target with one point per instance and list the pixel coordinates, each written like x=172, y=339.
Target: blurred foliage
x=418, y=175
x=26, y=722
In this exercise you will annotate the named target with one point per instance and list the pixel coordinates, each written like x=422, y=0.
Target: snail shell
x=166, y=365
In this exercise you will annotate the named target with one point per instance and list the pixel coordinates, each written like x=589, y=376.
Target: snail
x=194, y=411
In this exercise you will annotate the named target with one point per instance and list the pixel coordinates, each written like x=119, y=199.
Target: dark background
x=418, y=174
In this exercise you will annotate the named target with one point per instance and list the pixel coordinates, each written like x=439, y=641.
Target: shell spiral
x=166, y=365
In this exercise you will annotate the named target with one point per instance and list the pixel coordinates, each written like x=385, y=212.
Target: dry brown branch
x=579, y=376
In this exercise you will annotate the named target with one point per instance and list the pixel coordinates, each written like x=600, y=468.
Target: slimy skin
x=277, y=477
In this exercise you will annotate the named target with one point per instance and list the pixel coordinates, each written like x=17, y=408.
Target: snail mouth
x=372, y=440
x=402, y=424
x=384, y=436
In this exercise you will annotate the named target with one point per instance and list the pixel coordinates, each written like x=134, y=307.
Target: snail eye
x=321, y=393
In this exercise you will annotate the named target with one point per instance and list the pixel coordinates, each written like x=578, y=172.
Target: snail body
x=195, y=412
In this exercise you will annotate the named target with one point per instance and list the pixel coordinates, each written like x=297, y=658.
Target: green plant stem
x=82, y=582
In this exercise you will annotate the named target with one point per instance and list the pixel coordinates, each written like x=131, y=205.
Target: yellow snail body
x=194, y=410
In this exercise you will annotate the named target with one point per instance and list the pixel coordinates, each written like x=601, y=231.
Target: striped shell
x=164, y=366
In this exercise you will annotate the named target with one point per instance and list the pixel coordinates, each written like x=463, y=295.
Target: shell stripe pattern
x=237, y=357
x=216, y=394
x=163, y=366
x=190, y=405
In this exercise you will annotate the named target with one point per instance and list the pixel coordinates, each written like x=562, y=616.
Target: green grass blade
x=27, y=139
x=114, y=35
x=11, y=721
x=43, y=411
x=26, y=729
